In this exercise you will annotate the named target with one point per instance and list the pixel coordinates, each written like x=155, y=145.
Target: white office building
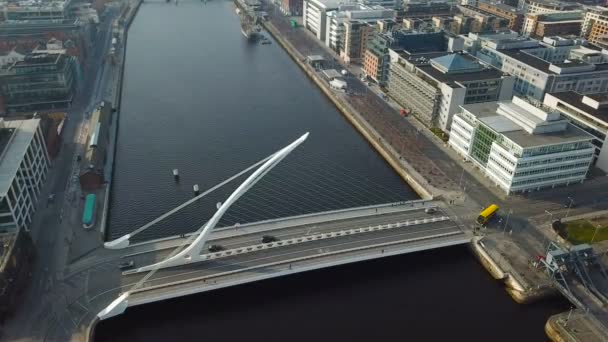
x=24, y=163
x=588, y=112
x=340, y=20
x=521, y=146
x=553, y=65
x=314, y=15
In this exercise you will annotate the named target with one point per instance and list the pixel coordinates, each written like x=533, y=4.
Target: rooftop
x=527, y=140
x=455, y=63
x=502, y=121
x=459, y=69
x=576, y=100
x=13, y=153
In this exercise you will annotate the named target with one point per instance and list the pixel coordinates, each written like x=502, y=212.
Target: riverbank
x=401, y=166
x=121, y=32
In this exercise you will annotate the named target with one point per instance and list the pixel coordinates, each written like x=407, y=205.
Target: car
x=268, y=239
x=430, y=210
x=126, y=265
x=215, y=248
x=78, y=158
x=570, y=204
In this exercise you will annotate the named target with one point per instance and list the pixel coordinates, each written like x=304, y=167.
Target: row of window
x=550, y=178
x=551, y=169
x=554, y=160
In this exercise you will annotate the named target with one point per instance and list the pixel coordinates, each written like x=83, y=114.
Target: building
x=520, y=146
x=547, y=6
x=24, y=163
x=357, y=35
x=480, y=20
x=36, y=10
x=94, y=159
x=388, y=4
x=350, y=25
x=21, y=87
x=432, y=86
x=512, y=14
x=556, y=64
x=10, y=57
x=314, y=15
x=592, y=14
x=553, y=24
x=588, y=112
x=292, y=7
x=595, y=26
x=423, y=10
x=376, y=59
x=25, y=36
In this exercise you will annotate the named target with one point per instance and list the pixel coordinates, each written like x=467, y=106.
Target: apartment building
x=521, y=146
x=512, y=14
x=595, y=26
x=553, y=24
x=547, y=6
x=314, y=15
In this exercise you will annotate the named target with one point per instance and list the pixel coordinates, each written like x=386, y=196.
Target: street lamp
x=569, y=206
x=507, y=221
x=551, y=217
x=594, y=234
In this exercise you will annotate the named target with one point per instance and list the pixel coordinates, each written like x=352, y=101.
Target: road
x=51, y=235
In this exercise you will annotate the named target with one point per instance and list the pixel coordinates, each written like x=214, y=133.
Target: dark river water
x=199, y=98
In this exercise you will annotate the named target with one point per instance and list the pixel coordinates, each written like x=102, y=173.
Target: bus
x=88, y=215
x=487, y=214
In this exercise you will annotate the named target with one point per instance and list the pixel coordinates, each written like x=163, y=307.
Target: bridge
x=213, y=258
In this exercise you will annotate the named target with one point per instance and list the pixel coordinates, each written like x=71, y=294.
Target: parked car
x=127, y=265
x=215, y=248
x=268, y=239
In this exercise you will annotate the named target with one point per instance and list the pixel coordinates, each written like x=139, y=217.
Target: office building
x=432, y=86
x=349, y=27
x=314, y=15
x=24, y=163
x=292, y=7
x=588, y=112
x=23, y=91
x=521, y=146
x=376, y=59
x=556, y=64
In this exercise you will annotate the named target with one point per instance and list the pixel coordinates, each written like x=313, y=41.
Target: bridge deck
x=386, y=239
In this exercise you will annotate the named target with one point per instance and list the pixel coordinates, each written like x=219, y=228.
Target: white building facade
x=314, y=15
x=521, y=147
x=588, y=112
x=24, y=163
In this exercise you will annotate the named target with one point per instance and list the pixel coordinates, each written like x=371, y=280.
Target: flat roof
x=15, y=151
x=570, y=134
x=482, y=109
x=576, y=100
x=485, y=74
x=530, y=60
x=500, y=124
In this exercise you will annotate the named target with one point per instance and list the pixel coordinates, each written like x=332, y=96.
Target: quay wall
x=117, y=86
x=520, y=292
x=402, y=168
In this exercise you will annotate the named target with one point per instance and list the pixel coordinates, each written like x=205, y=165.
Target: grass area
x=438, y=132
x=582, y=231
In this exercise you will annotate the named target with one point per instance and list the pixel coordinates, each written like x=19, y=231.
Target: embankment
x=408, y=173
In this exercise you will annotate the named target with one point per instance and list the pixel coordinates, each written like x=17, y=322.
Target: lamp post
x=594, y=234
x=569, y=206
x=504, y=229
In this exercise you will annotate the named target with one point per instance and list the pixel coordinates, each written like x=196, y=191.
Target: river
x=198, y=97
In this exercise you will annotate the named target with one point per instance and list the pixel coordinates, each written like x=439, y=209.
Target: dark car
x=215, y=248
x=268, y=239
x=126, y=265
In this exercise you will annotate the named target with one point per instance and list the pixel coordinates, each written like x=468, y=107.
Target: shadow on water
x=429, y=296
